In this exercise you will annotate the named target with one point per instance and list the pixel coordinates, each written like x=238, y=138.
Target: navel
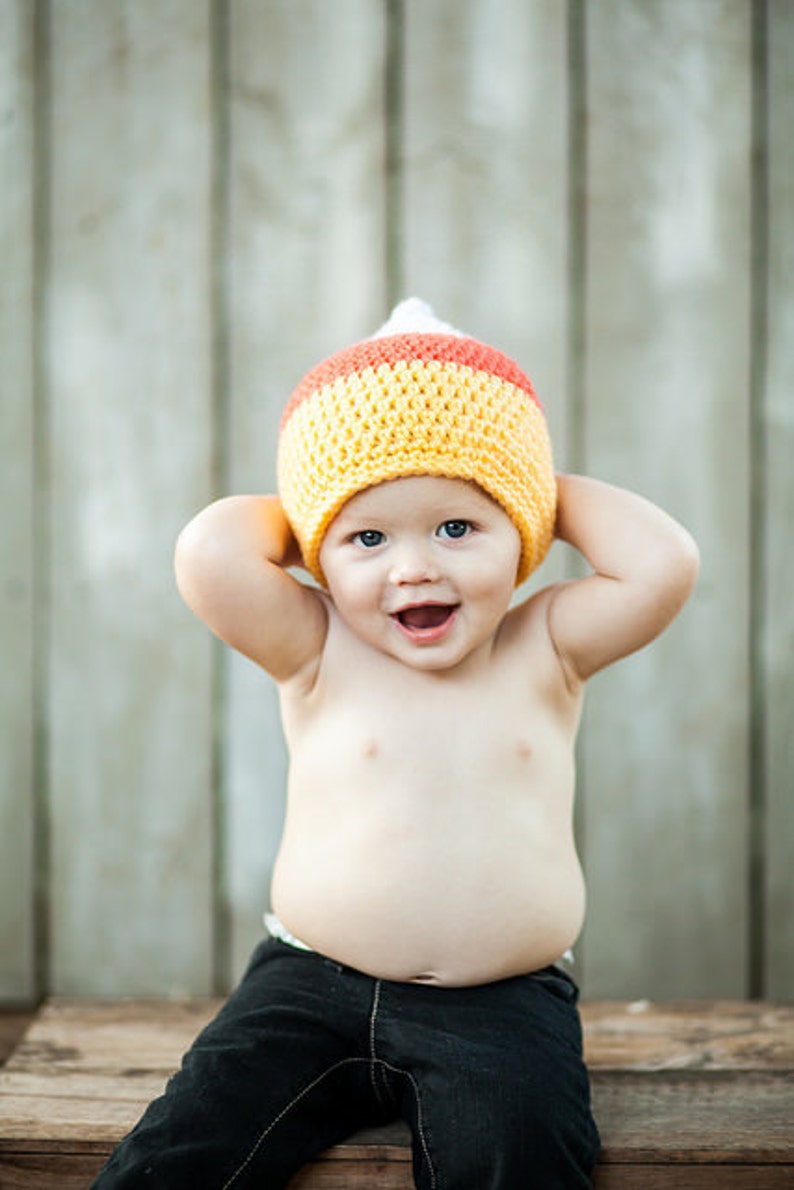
x=425, y=977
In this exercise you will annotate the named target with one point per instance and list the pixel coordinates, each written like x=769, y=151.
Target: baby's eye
x=369, y=538
x=454, y=529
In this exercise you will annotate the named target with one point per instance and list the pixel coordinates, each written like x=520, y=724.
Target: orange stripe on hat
x=416, y=404
x=373, y=353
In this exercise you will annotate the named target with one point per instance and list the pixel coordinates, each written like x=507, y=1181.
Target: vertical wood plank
x=17, y=472
x=129, y=376
x=485, y=184
x=306, y=276
x=777, y=642
x=666, y=746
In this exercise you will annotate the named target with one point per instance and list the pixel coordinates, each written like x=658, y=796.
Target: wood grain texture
x=720, y=1035
x=484, y=184
x=702, y=1092
x=777, y=485
x=128, y=376
x=17, y=512
x=197, y=205
x=666, y=744
x=650, y=1176
x=695, y=1118
x=74, y=1172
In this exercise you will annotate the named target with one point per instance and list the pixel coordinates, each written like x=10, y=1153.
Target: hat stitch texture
x=416, y=404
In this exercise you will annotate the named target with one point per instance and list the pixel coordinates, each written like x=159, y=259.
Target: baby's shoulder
x=527, y=622
x=526, y=639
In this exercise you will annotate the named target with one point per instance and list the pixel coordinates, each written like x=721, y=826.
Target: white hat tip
x=414, y=316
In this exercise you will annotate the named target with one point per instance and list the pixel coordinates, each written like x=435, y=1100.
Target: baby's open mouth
x=426, y=615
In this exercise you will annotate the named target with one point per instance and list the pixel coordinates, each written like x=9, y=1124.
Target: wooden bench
x=687, y=1095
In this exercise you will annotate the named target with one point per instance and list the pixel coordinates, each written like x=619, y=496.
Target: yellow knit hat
x=418, y=398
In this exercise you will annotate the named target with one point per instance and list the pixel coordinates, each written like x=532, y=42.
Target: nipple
x=524, y=749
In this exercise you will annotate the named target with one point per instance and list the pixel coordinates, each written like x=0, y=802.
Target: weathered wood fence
x=198, y=201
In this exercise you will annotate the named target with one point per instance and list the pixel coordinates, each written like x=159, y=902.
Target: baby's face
x=422, y=569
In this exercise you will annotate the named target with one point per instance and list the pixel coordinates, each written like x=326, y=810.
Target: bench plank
x=74, y=1172
x=686, y=1095
x=700, y=1119
x=692, y=1035
x=693, y=1177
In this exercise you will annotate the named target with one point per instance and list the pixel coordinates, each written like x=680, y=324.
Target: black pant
x=490, y=1079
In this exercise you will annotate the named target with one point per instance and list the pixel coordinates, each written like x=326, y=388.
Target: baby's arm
x=230, y=569
x=645, y=566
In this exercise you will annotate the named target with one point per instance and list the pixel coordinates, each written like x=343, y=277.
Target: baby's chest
x=436, y=741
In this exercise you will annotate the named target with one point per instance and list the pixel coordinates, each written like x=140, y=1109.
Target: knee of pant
x=529, y=1108
x=560, y=1129
x=539, y=1117
x=551, y=1142
x=547, y=1104
x=532, y=1152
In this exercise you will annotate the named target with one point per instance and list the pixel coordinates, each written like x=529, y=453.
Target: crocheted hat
x=418, y=398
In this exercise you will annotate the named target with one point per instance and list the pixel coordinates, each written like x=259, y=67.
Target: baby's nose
x=413, y=562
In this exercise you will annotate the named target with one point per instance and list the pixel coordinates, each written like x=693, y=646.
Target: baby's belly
x=484, y=901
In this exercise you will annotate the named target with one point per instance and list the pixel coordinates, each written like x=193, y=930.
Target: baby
x=427, y=885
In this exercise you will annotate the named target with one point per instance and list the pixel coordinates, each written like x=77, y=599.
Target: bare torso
x=429, y=822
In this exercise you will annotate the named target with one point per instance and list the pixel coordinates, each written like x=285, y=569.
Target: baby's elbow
x=688, y=562
x=195, y=559
x=679, y=568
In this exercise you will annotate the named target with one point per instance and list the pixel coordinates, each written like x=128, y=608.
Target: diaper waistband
x=276, y=929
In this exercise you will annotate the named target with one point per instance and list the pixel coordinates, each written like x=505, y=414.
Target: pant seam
x=379, y=1063
x=419, y=1117
x=373, y=1057
x=287, y=1108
